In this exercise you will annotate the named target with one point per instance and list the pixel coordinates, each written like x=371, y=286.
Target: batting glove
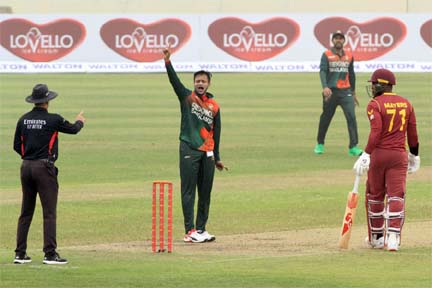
x=413, y=163
x=362, y=164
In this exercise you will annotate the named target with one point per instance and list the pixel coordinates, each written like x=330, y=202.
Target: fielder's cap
x=41, y=94
x=338, y=33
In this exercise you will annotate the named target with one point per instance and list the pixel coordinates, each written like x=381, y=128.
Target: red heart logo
x=368, y=40
x=254, y=41
x=144, y=43
x=41, y=42
x=426, y=32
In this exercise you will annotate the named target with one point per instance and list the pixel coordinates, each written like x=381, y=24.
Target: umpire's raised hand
x=80, y=117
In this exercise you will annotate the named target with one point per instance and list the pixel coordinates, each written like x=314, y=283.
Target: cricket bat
x=348, y=218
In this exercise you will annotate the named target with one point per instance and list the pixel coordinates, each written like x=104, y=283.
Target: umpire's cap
x=338, y=33
x=41, y=94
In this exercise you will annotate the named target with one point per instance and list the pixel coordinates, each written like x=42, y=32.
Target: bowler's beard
x=338, y=46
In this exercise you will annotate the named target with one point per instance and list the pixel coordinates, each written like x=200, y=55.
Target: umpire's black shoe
x=54, y=259
x=21, y=258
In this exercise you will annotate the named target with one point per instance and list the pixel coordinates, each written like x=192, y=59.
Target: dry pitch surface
x=274, y=244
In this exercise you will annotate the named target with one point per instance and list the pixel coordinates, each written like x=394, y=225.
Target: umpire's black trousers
x=38, y=176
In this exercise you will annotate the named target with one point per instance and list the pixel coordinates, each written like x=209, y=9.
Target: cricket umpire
x=36, y=141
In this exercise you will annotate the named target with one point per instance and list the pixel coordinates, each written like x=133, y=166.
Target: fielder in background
x=392, y=118
x=199, y=149
x=338, y=83
x=36, y=141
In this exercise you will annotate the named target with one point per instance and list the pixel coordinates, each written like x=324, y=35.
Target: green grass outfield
x=276, y=212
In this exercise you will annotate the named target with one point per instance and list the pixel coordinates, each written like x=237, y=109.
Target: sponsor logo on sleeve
x=368, y=40
x=41, y=42
x=253, y=41
x=426, y=32
x=144, y=42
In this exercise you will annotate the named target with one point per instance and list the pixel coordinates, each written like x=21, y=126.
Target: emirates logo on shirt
x=426, y=32
x=41, y=42
x=368, y=40
x=254, y=41
x=144, y=42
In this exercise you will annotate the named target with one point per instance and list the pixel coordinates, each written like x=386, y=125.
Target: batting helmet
x=383, y=76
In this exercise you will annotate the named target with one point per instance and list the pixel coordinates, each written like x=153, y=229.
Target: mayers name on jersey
x=202, y=114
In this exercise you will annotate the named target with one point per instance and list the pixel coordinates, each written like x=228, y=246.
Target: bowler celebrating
x=199, y=149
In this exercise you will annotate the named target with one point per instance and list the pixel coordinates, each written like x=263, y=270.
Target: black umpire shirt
x=36, y=134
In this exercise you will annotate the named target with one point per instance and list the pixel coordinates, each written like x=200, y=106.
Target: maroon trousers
x=38, y=176
x=387, y=179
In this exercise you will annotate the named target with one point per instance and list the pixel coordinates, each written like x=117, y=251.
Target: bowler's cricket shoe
x=393, y=241
x=375, y=243
x=54, y=259
x=187, y=238
x=197, y=237
x=22, y=259
x=209, y=237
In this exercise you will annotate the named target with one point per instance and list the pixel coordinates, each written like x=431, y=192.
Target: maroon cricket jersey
x=391, y=117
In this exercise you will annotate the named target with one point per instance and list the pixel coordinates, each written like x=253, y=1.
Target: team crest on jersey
x=371, y=114
x=210, y=106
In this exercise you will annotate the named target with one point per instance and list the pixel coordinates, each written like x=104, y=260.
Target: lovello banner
x=426, y=32
x=41, y=42
x=367, y=40
x=254, y=41
x=119, y=43
x=143, y=42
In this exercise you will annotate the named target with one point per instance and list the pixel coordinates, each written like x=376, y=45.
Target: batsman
x=199, y=149
x=392, y=121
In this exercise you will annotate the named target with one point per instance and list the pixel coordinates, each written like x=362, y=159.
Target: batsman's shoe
x=197, y=237
x=187, y=238
x=209, y=237
x=319, y=149
x=393, y=241
x=375, y=243
x=22, y=259
x=54, y=259
x=355, y=151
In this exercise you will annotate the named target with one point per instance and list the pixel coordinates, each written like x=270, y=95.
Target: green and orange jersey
x=200, y=116
x=337, y=71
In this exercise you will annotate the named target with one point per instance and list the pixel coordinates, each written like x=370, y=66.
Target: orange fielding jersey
x=391, y=118
x=337, y=71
